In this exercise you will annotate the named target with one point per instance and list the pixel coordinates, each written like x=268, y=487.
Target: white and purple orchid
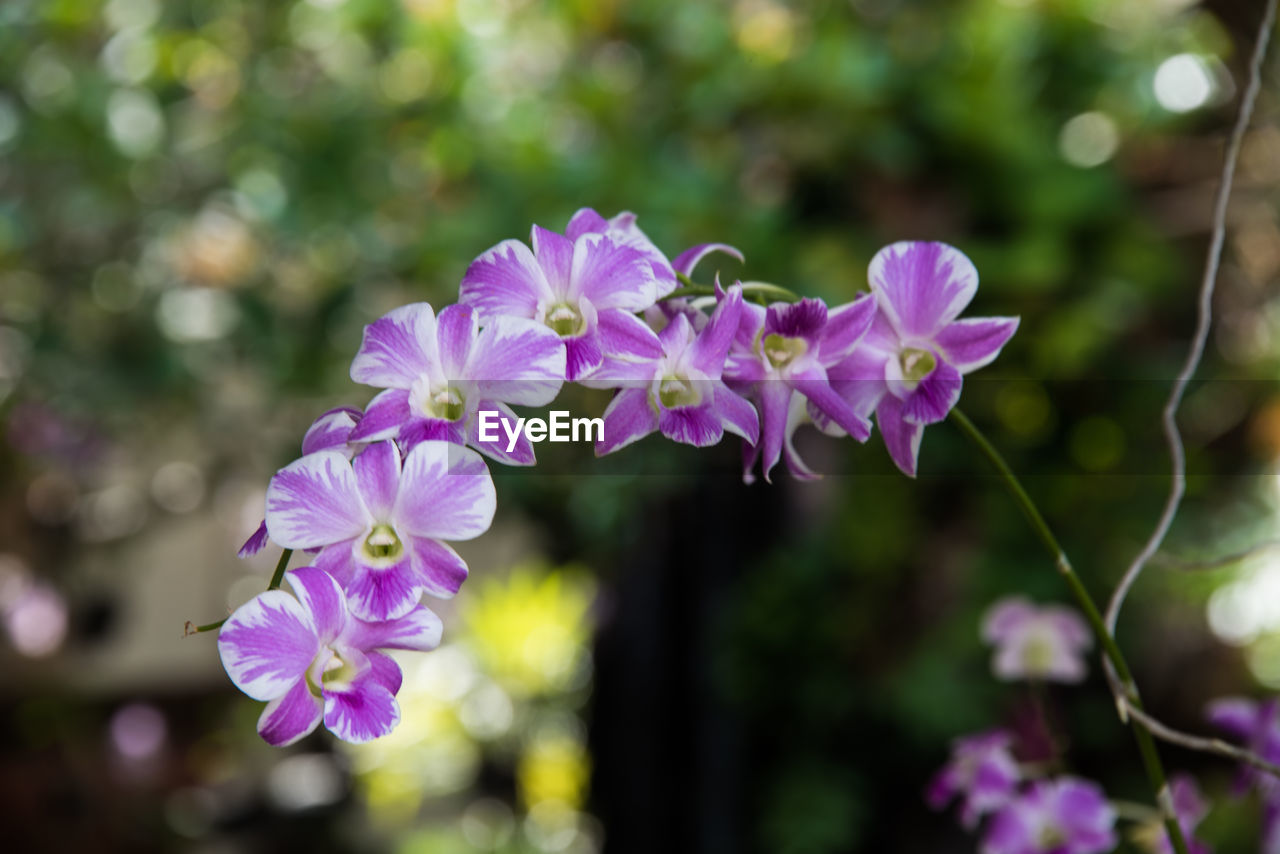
x=681, y=392
x=910, y=366
x=439, y=371
x=309, y=659
x=1062, y=816
x=379, y=522
x=1036, y=643
x=982, y=773
x=780, y=359
x=585, y=290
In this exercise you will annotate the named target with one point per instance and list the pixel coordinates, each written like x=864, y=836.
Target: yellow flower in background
x=554, y=768
x=530, y=630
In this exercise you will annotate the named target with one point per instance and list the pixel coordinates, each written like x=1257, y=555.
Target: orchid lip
x=382, y=547
x=447, y=403
x=916, y=365
x=782, y=351
x=565, y=320
x=329, y=671
x=675, y=392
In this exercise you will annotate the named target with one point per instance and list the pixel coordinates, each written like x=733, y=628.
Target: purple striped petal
x=813, y=384
x=439, y=567
x=505, y=280
x=922, y=286
x=384, y=593
x=555, y=256
x=901, y=439
x=711, y=348
x=622, y=229
x=750, y=454
x=456, y=329
x=383, y=416
x=520, y=455
x=288, y=718
x=267, y=644
x=314, y=501
x=975, y=342
x=445, y=493
x=419, y=430
x=737, y=415
x=331, y=431
x=804, y=319
x=629, y=417
x=846, y=324
x=367, y=710
x=625, y=336
x=692, y=425
x=687, y=260
x=773, y=399
x=934, y=397
x=257, y=541
x=420, y=629
x=377, y=471
x=384, y=670
x=582, y=355
x=517, y=361
x=609, y=275
x=398, y=348
x=322, y=598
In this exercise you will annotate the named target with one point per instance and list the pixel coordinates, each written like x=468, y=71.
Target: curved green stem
x=690, y=288
x=277, y=578
x=1146, y=743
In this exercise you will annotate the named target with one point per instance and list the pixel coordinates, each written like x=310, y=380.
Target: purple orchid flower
x=583, y=289
x=332, y=430
x=681, y=392
x=780, y=359
x=1063, y=816
x=439, y=372
x=379, y=522
x=911, y=365
x=982, y=771
x=309, y=659
x=1036, y=643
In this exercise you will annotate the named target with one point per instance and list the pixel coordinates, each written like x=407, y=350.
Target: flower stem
x=690, y=288
x=277, y=578
x=1146, y=744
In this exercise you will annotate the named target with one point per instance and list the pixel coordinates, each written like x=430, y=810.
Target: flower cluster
x=1028, y=809
x=378, y=494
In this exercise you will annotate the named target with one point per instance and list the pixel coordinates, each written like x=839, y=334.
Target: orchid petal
x=934, y=396
x=691, y=425
x=290, y=717
x=420, y=630
x=445, y=493
x=520, y=455
x=384, y=593
x=267, y=644
x=456, y=330
x=901, y=438
x=517, y=361
x=315, y=501
x=397, y=348
x=922, y=286
x=610, y=275
x=364, y=712
x=383, y=417
x=439, y=567
x=628, y=417
x=975, y=342
x=505, y=280
x=736, y=412
x=555, y=256
x=846, y=325
x=711, y=348
x=377, y=470
x=331, y=431
x=322, y=598
x=689, y=259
